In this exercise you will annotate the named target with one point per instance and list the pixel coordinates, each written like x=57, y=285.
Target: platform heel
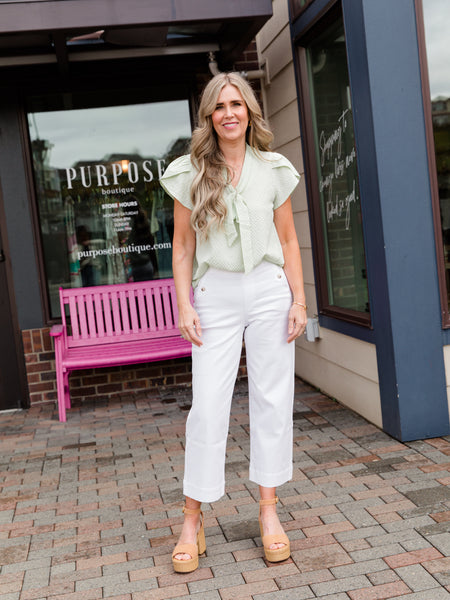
x=278, y=554
x=194, y=550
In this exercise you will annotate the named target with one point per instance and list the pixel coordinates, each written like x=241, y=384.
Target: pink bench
x=113, y=325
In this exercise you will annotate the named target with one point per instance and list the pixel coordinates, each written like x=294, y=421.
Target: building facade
x=360, y=87
x=92, y=110
x=96, y=98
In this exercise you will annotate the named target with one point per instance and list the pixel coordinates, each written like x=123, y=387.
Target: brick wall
x=249, y=59
x=149, y=378
x=40, y=364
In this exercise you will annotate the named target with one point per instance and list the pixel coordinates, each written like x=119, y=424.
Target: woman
x=235, y=242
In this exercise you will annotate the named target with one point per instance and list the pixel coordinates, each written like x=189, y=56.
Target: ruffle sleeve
x=177, y=178
x=286, y=178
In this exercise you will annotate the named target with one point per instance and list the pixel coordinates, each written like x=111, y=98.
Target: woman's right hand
x=189, y=324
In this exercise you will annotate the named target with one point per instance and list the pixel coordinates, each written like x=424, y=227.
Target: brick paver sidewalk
x=91, y=508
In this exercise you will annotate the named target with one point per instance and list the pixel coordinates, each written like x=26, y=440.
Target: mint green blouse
x=248, y=235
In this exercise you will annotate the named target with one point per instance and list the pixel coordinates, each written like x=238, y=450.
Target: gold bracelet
x=302, y=305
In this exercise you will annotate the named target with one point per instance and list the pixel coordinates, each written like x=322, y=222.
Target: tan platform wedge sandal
x=277, y=554
x=194, y=550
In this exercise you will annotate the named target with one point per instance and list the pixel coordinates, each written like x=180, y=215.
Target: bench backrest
x=129, y=311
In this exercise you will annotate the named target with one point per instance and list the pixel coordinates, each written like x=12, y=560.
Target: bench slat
x=174, y=303
x=143, y=315
x=74, y=318
x=117, y=338
x=150, y=309
x=99, y=314
x=107, y=314
x=134, y=321
x=159, y=312
x=91, y=324
x=124, y=307
x=81, y=308
x=167, y=308
x=116, y=313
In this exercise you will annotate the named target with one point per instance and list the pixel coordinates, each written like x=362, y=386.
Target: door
x=11, y=392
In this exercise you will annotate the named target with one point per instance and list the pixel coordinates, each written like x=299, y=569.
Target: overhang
x=64, y=31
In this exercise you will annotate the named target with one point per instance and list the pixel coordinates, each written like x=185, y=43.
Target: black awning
x=64, y=31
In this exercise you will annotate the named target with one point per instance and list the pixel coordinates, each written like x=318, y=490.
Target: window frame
x=297, y=9
x=432, y=166
x=363, y=319
x=183, y=91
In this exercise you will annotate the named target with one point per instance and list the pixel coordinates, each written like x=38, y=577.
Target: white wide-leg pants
x=230, y=306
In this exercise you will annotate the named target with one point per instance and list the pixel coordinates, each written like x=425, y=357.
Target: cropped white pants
x=232, y=306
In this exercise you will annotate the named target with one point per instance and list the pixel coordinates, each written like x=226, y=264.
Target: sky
x=437, y=19
x=90, y=134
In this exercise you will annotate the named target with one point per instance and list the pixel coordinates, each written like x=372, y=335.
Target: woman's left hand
x=297, y=322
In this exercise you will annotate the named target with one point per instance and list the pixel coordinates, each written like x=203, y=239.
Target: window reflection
x=437, y=17
x=104, y=218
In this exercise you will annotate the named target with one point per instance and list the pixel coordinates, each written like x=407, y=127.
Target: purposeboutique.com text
x=123, y=250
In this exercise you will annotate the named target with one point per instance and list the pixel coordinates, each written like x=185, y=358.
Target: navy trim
x=360, y=333
x=309, y=16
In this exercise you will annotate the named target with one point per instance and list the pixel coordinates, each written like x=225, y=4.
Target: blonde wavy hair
x=209, y=182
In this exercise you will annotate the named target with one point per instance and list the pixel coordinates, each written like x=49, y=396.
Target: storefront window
x=104, y=218
x=436, y=19
x=336, y=186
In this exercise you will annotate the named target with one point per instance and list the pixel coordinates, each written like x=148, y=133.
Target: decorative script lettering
x=335, y=167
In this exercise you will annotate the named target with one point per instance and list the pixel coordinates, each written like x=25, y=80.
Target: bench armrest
x=56, y=330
